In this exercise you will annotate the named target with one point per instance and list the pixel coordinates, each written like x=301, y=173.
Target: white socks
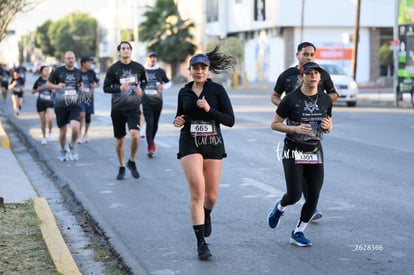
x=300, y=227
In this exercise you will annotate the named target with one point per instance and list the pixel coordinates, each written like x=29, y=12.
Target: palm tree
x=168, y=34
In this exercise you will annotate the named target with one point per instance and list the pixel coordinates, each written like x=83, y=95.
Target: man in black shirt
x=288, y=80
x=66, y=82
x=125, y=80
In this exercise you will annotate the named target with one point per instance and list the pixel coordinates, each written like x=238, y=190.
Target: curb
x=58, y=250
x=4, y=139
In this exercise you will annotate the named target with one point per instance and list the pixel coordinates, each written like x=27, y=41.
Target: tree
x=167, y=33
x=76, y=32
x=42, y=40
x=9, y=9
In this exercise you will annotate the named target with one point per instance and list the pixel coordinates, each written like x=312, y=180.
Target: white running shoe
x=72, y=154
x=50, y=137
x=44, y=141
x=85, y=139
x=63, y=155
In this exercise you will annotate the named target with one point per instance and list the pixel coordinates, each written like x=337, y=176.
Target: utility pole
x=395, y=50
x=302, y=21
x=356, y=40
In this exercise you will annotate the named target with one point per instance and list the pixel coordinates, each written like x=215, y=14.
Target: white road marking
x=272, y=192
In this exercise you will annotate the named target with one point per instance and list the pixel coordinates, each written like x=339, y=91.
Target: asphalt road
x=366, y=198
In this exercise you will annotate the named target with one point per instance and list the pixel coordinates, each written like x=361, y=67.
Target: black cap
x=151, y=53
x=86, y=59
x=200, y=58
x=310, y=66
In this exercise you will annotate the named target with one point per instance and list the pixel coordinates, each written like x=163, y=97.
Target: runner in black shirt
x=152, y=99
x=44, y=103
x=202, y=106
x=89, y=82
x=307, y=112
x=66, y=82
x=289, y=80
x=17, y=85
x=125, y=80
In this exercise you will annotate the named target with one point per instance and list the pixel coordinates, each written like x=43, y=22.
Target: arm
x=278, y=125
x=224, y=114
x=111, y=84
x=275, y=98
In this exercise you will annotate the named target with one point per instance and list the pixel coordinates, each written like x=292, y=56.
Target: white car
x=346, y=87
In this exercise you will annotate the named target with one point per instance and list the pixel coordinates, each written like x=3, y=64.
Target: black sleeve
x=111, y=82
x=327, y=83
x=283, y=108
x=36, y=84
x=164, y=77
x=224, y=114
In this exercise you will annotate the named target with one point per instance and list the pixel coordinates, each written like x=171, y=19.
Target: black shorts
x=65, y=115
x=4, y=84
x=210, y=147
x=42, y=105
x=19, y=94
x=121, y=118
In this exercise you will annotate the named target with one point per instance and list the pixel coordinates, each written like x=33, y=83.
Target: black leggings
x=296, y=175
x=152, y=113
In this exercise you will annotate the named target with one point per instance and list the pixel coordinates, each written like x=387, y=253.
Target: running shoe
x=133, y=168
x=63, y=155
x=299, y=239
x=85, y=139
x=121, y=173
x=274, y=216
x=44, y=141
x=203, y=251
x=72, y=154
x=50, y=137
x=316, y=215
x=151, y=150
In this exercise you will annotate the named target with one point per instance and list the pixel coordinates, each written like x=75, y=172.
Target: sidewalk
x=15, y=187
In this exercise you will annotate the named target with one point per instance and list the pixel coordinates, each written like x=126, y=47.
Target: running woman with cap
x=152, y=100
x=44, y=103
x=307, y=112
x=125, y=80
x=202, y=106
x=289, y=80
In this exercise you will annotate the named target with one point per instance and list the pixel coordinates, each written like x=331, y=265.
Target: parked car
x=345, y=85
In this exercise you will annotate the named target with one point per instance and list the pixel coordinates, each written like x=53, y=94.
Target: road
x=366, y=198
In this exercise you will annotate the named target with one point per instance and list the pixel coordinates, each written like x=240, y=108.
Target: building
x=271, y=29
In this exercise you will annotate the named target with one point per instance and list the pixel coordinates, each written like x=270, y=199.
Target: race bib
x=203, y=128
x=132, y=79
x=71, y=96
x=151, y=92
x=307, y=158
x=45, y=97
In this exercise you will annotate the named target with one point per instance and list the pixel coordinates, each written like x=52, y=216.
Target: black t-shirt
x=288, y=80
x=132, y=73
x=45, y=94
x=88, y=78
x=19, y=84
x=69, y=95
x=151, y=94
x=298, y=108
